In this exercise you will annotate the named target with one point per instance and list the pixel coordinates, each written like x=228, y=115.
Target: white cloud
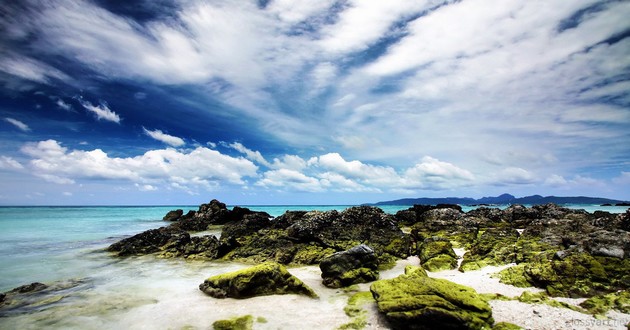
x=145, y=187
x=255, y=156
x=8, y=163
x=20, y=125
x=200, y=167
x=286, y=179
x=63, y=105
x=513, y=176
x=173, y=141
x=101, y=111
x=30, y=69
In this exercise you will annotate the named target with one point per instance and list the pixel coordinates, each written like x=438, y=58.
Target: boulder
x=356, y=265
x=173, y=215
x=436, y=253
x=147, y=242
x=265, y=279
x=496, y=246
x=415, y=301
x=168, y=242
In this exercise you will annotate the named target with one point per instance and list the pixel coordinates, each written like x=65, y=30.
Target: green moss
x=441, y=262
x=261, y=319
x=264, y=279
x=238, y=323
x=413, y=298
x=359, y=275
x=601, y=304
x=437, y=254
x=416, y=271
x=310, y=254
x=515, y=276
x=494, y=246
x=506, y=326
x=354, y=309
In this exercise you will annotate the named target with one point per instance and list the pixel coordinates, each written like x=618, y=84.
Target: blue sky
x=312, y=102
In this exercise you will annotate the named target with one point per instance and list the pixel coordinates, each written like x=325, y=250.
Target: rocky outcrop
x=356, y=265
x=265, y=279
x=308, y=237
x=496, y=246
x=173, y=215
x=436, y=253
x=168, y=242
x=415, y=301
x=35, y=296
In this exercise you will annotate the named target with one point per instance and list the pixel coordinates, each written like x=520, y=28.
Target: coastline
x=143, y=291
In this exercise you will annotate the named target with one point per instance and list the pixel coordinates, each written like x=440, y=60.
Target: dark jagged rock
x=173, y=215
x=415, y=214
x=308, y=237
x=415, y=301
x=436, y=253
x=264, y=279
x=28, y=288
x=147, y=242
x=168, y=242
x=356, y=265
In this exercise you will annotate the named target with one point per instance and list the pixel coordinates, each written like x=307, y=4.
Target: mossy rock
x=575, y=274
x=415, y=301
x=515, y=276
x=601, y=304
x=310, y=254
x=238, y=323
x=495, y=246
x=264, y=279
x=437, y=254
x=356, y=265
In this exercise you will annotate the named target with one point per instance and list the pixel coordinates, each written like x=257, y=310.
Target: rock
x=496, y=246
x=601, y=304
x=415, y=214
x=238, y=323
x=415, y=301
x=356, y=265
x=265, y=279
x=436, y=253
x=173, y=215
x=168, y=242
x=147, y=242
x=28, y=288
x=308, y=237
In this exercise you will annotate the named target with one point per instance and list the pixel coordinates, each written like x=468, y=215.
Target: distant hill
x=504, y=199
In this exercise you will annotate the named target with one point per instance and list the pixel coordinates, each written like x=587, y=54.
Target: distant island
x=506, y=199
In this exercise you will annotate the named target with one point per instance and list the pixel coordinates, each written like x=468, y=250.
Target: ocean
x=64, y=247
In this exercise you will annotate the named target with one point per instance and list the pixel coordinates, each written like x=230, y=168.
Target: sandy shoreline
x=149, y=293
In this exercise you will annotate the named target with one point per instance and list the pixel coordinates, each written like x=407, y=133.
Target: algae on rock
x=265, y=279
x=238, y=323
x=415, y=301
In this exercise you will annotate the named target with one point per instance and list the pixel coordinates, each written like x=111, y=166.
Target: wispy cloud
x=101, y=111
x=19, y=124
x=165, y=138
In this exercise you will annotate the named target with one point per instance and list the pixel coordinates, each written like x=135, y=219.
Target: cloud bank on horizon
x=335, y=101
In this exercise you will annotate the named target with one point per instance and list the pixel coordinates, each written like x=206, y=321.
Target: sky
x=166, y=102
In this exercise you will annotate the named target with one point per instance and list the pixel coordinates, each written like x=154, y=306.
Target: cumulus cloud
x=200, y=167
x=101, y=111
x=19, y=124
x=171, y=140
